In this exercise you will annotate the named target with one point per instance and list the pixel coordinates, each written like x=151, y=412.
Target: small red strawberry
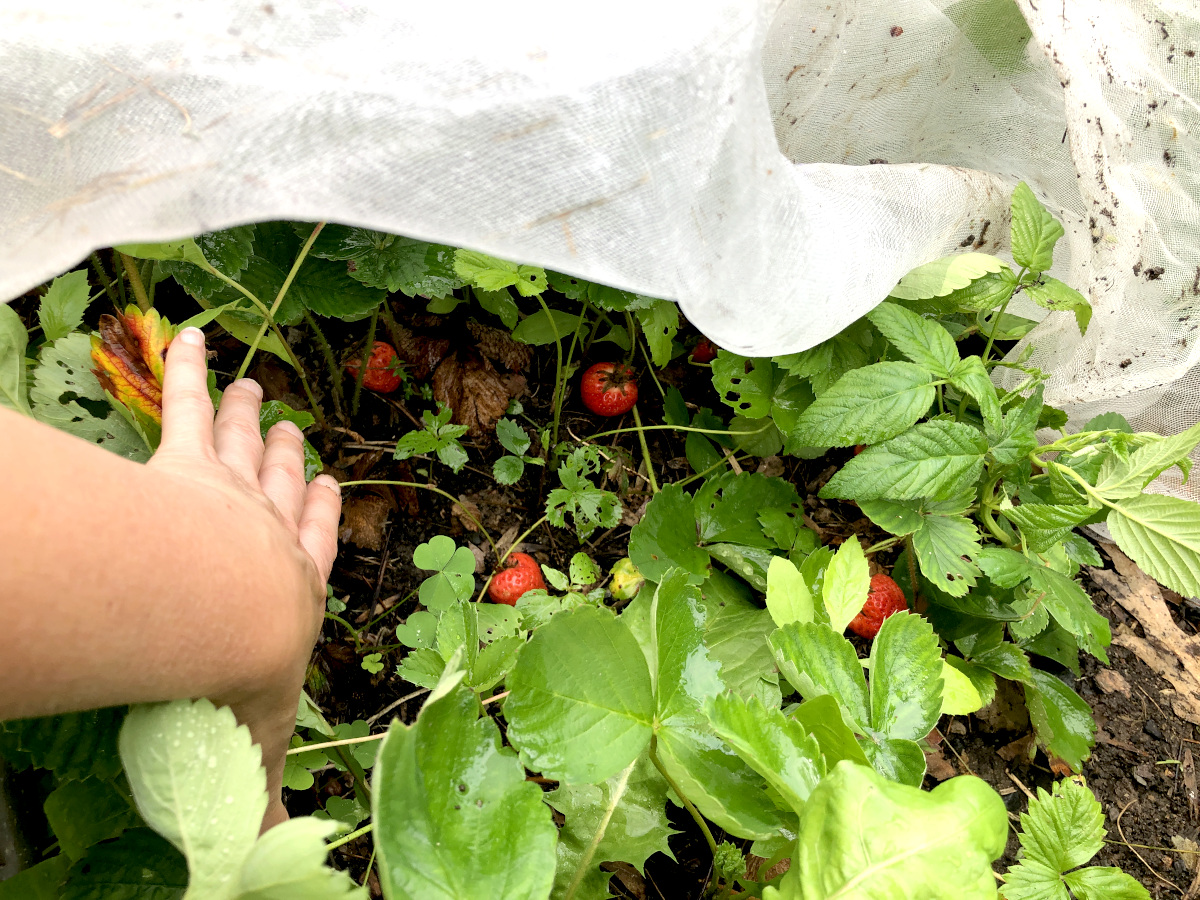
x=382, y=369
x=704, y=352
x=521, y=574
x=883, y=599
x=609, y=389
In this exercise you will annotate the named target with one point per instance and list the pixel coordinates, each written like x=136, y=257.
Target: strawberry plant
x=438, y=436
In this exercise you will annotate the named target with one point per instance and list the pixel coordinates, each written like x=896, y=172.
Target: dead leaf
x=498, y=344
x=940, y=768
x=1060, y=766
x=470, y=385
x=771, y=466
x=1021, y=747
x=129, y=355
x=1188, y=767
x=630, y=878
x=1109, y=681
x=467, y=512
x=364, y=516
x=1168, y=651
x=422, y=351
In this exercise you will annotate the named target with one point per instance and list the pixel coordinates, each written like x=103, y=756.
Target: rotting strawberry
x=883, y=599
x=522, y=574
x=704, y=352
x=383, y=369
x=609, y=389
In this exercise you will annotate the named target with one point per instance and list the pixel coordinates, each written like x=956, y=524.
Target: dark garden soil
x=1137, y=768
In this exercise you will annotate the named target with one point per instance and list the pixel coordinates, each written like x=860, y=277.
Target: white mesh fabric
x=640, y=145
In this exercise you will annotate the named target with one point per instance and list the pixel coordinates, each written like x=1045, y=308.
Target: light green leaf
x=899, y=517
x=508, y=469
x=455, y=818
x=967, y=688
x=944, y=547
x=736, y=636
x=198, y=781
x=863, y=837
x=61, y=310
x=936, y=459
x=512, y=436
x=1006, y=568
x=778, y=748
x=14, y=382
x=1017, y=437
x=788, y=597
x=984, y=293
x=847, y=582
x=659, y=322
x=1050, y=293
x=1123, y=478
x=274, y=411
x=542, y=328
x=287, y=863
x=665, y=537
x=1162, y=535
x=1034, y=231
x=623, y=819
x=491, y=274
x=922, y=340
x=867, y=405
x=822, y=718
x=906, y=678
x=1104, y=883
x=1043, y=525
x=971, y=377
x=817, y=660
x=1071, y=607
x=581, y=707
x=1062, y=720
x=942, y=276
x=185, y=250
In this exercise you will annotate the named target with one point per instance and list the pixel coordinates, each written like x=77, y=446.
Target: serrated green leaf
x=545, y=328
x=589, y=506
x=228, y=251
x=139, y=865
x=736, y=637
x=757, y=388
x=816, y=660
x=1034, y=231
x=923, y=341
x=942, y=276
x=623, y=819
x=971, y=377
x=788, y=597
x=512, y=436
x=581, y=705
x=1072, y=608
x=899, y=517
x=1122, y=478
x=1104, y=883
x=61, y=310
x=727, y=506
x=1162, y=535
x=1017, y=437
x=491, y=274
x=1044, y=525
x=945, y=546
x=861, y=836
x=987, y=648
x=1050, y=293
x=660, y=322
x=184, y=249
x=71, y=745
x=665, y=537
x=984, y=293
x=847, y=582
x=906, y=678
x=14, y=382
x=287, y=863
x=778, y=748
x=867, y=405
x=387, y=261
x=1062, y=720
x=1006, y=568
x=198, y=781
x=83, y=813
x=822, y=718
x=936, y=459
x=455, y=816
x=275, y=411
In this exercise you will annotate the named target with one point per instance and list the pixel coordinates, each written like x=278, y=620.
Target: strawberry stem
x=687, y=804
x=641, y=433
x=366, y=358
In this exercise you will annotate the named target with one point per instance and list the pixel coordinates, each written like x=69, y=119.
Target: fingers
x=281, y=472
x=319, y=523
x=187, y=425
x=236, y=433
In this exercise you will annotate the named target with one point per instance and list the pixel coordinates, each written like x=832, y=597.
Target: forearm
x=108, y=595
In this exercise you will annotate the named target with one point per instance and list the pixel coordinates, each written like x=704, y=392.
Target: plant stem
x=528, y=531
x=366, y=357
x=98, y=268
x=585, y=859
x=912, y=566
x=334, y=617
x=436, y=490
x=687, y=804
x=723, y=461
x=551, y=459
x=347, y=838
x=593, y=437
x=650, y=369
x=135, y=282
x=335, y=375
x=344, y=742
x=641, y=432
x=631, y=327
x=996, y=327
x=883, y=545
x=269, y=319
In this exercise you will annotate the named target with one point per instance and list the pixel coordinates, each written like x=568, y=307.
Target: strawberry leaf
x=1061, y=719
x=61, y=310
x=866, y=406
x=387, y=261
x=455, y=817
x=660, y=322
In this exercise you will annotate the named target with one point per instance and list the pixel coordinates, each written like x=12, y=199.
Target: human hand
x=263, y=480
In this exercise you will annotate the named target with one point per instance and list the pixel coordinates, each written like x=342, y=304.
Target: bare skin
x=199, y=574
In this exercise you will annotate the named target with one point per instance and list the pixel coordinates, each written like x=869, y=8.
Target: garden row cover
x=717, y=153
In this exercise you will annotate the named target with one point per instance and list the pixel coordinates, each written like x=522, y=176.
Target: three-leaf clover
x=453, y=577
x=438, y=436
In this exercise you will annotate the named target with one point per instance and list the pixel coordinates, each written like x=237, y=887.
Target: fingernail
x=330, y=482
x=250, y=385
x=192, y=336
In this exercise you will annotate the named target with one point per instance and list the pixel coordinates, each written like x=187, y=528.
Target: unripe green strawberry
x=883, y=599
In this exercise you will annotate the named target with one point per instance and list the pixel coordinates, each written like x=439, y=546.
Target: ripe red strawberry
x=609, y=389
x=522, y=574
x=382, y=369
x=704, y=352
x=883, y=599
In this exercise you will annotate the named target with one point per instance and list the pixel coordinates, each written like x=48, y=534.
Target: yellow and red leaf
x=129, y=354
